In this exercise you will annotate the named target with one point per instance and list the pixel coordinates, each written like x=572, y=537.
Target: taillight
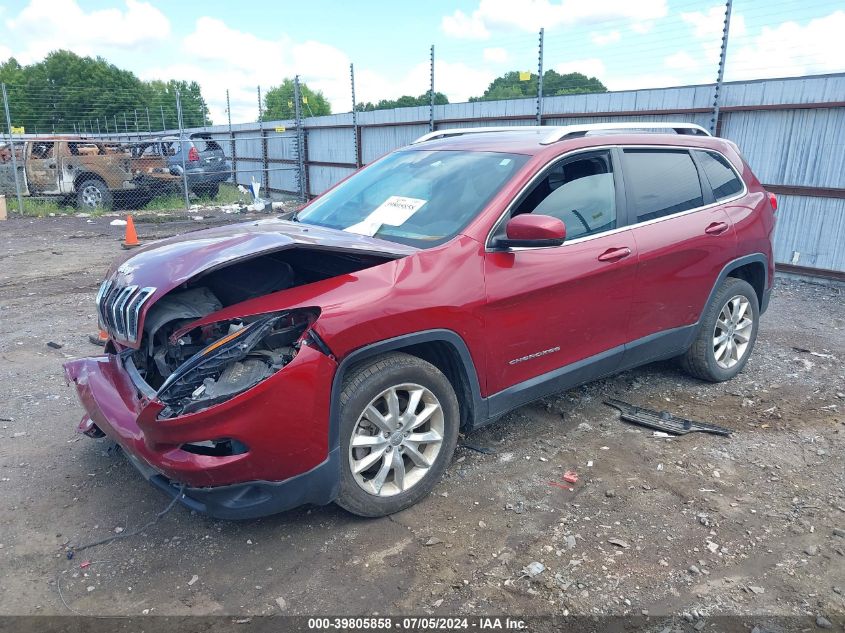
x=773, y=200
x=194, y=155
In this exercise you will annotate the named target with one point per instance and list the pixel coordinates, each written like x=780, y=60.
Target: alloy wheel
x=733, y=331
x=396, y=440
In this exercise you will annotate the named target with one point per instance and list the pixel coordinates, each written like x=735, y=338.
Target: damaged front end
x=203, y=366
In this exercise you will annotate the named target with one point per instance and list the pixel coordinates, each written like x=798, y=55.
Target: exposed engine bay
x=209, y=364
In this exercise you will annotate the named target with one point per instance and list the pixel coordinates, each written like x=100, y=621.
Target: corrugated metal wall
x=786, y=137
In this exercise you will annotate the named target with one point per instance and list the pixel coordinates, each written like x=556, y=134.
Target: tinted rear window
x=206, y=144
x=723, y=179
x=661, y=182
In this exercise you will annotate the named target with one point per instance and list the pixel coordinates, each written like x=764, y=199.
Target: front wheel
x=399, y=420
x=727, y=334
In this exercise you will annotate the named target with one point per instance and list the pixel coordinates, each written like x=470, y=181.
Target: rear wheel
x=93, y=194
x=727, y=334
x=399, y=423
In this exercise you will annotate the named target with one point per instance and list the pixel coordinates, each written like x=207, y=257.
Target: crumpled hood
x=152, y=271
x=168, y=263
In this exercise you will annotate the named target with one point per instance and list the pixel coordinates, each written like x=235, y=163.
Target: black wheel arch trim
x=759, y=258
x=450, y=337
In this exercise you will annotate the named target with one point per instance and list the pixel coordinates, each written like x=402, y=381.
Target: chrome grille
x=119, y=308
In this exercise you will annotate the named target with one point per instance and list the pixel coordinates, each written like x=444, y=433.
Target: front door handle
x=614, y=254
x=716, y=228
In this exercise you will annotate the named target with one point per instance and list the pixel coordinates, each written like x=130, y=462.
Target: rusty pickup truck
x=91, y=171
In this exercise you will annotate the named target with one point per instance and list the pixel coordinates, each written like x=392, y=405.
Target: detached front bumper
x=283, y=422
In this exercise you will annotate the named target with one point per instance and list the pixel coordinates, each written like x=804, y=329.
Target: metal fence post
x=265, y=173
x=355, y=144
x=231, y=139
x=431, y=95
x=182, y=149
x=715, y=127
x=540, y=82
x=12, y=150
x=163, y=124
x=149, y=125
x=300, y=141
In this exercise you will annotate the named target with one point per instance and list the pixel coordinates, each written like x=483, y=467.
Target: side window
x=722, y=177
x=580, y=192
x=42, y=150
x=660, y=182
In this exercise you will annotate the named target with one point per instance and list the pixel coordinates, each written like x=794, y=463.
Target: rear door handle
x=614, y=254
x=716, y=228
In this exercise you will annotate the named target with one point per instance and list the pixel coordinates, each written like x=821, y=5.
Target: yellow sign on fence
x=524, y=75
x=280, y=129
x=18, y=130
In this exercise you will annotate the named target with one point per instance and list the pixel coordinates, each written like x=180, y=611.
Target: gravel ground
x=689, y=527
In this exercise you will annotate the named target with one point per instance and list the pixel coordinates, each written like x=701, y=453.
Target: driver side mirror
x=530, y=230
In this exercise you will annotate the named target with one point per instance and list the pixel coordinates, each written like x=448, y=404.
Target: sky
x=236, y=46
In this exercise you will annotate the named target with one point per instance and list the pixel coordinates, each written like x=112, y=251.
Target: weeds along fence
x=791, y=131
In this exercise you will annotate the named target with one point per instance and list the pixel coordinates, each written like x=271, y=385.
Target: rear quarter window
x=660, y=182
x=722, y=178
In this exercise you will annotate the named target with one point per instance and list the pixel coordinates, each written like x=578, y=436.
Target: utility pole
x=540, y=81
x=431, y=95
x=12, y=150
x=714, y=122
x=354, y=118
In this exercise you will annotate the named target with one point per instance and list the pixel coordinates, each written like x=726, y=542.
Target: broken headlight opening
x=216, y=362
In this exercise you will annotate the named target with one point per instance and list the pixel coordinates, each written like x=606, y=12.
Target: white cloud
x=603, y=39
x=460, y=25
x=247, y=61
x=47, y=25
x=708, y=25
x=646, y=80
x=681, y=61
x=5, y=53
x=592, y=67
x=530, y=15
x=496, y=55
x=791, y=49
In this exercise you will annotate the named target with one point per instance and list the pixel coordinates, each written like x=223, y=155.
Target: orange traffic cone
x=100, y=338
x=131, y=240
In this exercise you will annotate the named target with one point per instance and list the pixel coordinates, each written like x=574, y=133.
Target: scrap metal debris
x=663, y=420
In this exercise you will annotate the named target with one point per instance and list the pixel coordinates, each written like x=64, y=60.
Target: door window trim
x=622, y=207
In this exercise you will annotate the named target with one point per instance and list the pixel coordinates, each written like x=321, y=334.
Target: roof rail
x=460, y=131
x=573, y=131
x=560, y=132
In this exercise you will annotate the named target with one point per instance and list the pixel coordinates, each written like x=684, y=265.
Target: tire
x=377, y=489
x=708, y=360
x=207, y=191
x=93, y=194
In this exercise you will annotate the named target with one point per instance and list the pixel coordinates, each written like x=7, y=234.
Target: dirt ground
x=691, y=527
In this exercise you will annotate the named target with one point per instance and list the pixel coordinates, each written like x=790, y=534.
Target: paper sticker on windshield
x=394, y=211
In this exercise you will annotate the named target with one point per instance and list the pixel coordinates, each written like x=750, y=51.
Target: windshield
x=421, y=198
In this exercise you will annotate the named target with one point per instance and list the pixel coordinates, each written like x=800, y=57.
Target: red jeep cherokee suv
x=335, y=355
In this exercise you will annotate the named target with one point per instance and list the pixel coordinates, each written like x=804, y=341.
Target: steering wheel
x=582, y=220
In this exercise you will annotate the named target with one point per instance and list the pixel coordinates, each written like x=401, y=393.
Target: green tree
x=65, y=92
x=509, y=86
x=278, y=102
x=405, y=101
